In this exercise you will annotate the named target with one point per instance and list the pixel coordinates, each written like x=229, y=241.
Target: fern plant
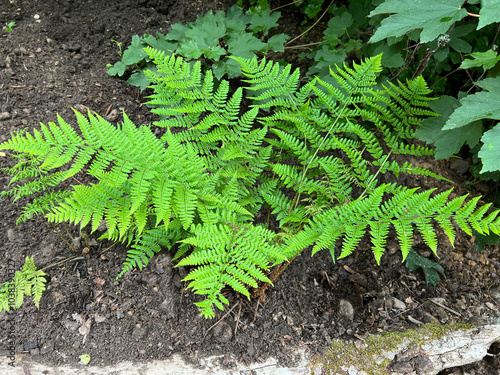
x=308, y=157
x=27, y=282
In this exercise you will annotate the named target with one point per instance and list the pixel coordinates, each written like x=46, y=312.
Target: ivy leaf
x=487, y=60
x=243, y=45
x=433, y=17
x=415, y=261
x=478, y=106
x=490, y=152
x=447, y=142
x=264, y=21
x=489, y=13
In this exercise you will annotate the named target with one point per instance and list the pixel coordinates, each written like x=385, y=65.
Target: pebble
x=10, y=234
x=398, y=304
x=345, y=310
x=4, y=116
x=223, y=332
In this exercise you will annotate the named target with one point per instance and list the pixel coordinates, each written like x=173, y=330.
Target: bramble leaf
x=433, y=17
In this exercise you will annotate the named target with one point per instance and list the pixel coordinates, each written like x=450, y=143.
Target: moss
x=369, y=356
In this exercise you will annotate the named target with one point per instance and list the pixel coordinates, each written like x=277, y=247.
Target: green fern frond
x=27, y=282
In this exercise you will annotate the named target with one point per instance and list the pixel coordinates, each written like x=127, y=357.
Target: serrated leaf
x=177, y=32
x=490, y=152
x=486, y=60
x=135, y=52
x=414, y=261
x=189, y=49
x=489, y=13
x=433, y=17
x=277, y=42
x=118, y=69
x=447, y=142
x=478, y=106
x=160, y=43
x=243, y=45
x=264, y=21
x=338, y=24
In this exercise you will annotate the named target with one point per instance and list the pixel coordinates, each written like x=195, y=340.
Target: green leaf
x=277, y=42
x=236, y=20
x=414, y=261
x=189, y=49
x=447, y=142
x=178, y=32
x=487, y=60
x=312, y=8
x=481, y=239
x=489, y=13
x=478, y=106
x=160, y=43
x=118, y=69
x=433, y=17
x=264, y=21
x=490, y=152
x=135, y=52
x=243, y=45
x=338, y=24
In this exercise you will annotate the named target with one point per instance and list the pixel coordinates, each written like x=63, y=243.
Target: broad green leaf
x=177, y=32
x=490, y=152
x=312, y=8
x=415, y=261
x=236, y=20
x=487, y=60
x=478, y=106
x=160, y=43
x=391, y=54
x=189, y=49
x=447, y=142
x=338, y=24
x=489, y=13
x=277, y=42
x=434, y=17
x=214, y=52
x=264, y=21
x=244, y=44
x=118, y=69
x=135, y=52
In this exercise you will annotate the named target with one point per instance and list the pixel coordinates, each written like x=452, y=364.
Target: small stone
x=490, y=306
x=30, y=345
x=99, y=318
x=289, y=320
x=119, y=314
x=398, y=304
x=113, y=115
x=10, y=234
x=345, y=310
x=4, y=116
x=223, y=332
x=139, y=333
x=428, y=318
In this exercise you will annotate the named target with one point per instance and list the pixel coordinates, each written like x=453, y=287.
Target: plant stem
x=314, y=24
x=284, y=6
x=64, y=239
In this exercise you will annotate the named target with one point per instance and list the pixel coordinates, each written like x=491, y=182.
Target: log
x=422, y=351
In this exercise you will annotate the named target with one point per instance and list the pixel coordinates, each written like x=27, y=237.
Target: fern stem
x=375, y=175
x=64, y=239
x=69, y=259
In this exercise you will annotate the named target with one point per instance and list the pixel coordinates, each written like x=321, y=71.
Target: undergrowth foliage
x=307, y=156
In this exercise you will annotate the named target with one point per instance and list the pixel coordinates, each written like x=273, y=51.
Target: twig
x=446, y=308
x=69, y=259
x=64, y=239
x=283, y=6
x=237, y=321
x=221, y=319
x=304, y=45
x=314, y=24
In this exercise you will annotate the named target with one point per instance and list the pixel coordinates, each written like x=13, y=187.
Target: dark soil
x=54, y=60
